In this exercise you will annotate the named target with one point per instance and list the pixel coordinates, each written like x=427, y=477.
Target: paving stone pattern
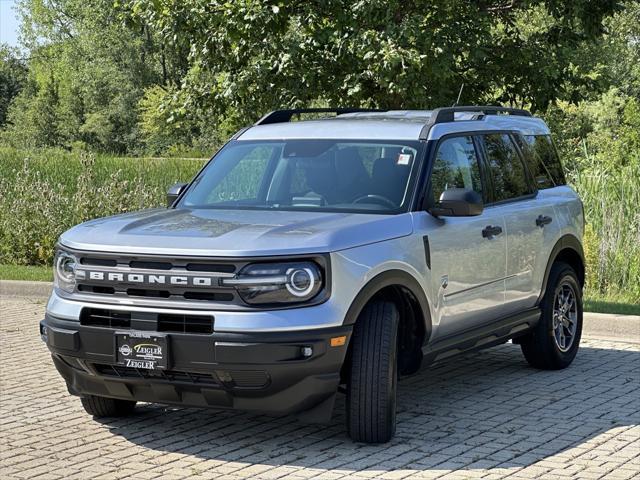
x=483, y=415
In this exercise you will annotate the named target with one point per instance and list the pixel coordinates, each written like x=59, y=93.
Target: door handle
x=543, y=220
x=491, y=231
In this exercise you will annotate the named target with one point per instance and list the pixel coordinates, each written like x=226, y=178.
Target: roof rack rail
x=283, y=116
x=447, y=114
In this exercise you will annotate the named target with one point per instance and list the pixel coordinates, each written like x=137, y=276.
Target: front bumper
x=264, y=372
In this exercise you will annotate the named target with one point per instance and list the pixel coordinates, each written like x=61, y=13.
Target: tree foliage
x=135, y=75
x=253, y=56
x=13, y=76
x=98, y=63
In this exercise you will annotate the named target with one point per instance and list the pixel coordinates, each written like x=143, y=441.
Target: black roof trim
x=283, y=116
x=447, y=114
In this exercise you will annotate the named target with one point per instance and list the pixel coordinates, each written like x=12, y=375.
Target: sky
x=8, y=23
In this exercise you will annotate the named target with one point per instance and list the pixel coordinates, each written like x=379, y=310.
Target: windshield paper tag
x=404, y=159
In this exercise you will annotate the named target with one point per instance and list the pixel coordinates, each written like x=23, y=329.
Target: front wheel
x=107, y=407
x=371, y=390
x=554, y=342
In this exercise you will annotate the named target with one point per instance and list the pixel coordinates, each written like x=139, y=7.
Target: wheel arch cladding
x=406, y=293
x=568, y=249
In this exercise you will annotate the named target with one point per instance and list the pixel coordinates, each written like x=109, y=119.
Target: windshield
x=320, y=175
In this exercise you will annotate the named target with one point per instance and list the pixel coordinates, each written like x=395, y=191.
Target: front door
x=468, y=254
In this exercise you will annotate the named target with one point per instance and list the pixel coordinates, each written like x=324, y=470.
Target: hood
x=234, y=233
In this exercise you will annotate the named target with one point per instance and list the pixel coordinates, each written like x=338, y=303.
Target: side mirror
x=458, y=202
x=174, y=192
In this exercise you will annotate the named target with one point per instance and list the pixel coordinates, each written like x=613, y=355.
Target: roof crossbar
x=283, y=116
x=447, y=114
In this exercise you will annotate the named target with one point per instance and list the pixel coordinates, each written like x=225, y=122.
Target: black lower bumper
x=274, y=373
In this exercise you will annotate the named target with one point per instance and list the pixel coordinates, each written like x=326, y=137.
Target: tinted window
x=507, y=170
x=324, y=175
x=542, y=160
x=456, y=166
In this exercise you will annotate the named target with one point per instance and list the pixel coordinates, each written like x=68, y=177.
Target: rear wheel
x=107, y=407
x=371, y=390
x=554, y=342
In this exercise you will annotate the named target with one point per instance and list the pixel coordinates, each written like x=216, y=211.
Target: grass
x=617, y=305
x=38, y=273
x=45, y=192
x=64, y=169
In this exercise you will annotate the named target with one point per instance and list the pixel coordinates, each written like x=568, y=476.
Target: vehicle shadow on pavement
x=483, y=410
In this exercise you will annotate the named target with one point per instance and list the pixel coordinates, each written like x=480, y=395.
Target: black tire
x=371, y=390
x=107, y=407
x=540, y=347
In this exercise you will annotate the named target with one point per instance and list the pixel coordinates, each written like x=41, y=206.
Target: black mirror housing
x=458, y=202
x=174, y=192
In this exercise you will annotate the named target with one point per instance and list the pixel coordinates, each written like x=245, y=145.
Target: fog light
x=224, y=377
x=307, y=351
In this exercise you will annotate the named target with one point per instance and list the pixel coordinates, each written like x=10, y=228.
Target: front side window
x=506, y=169
x=324, y=175
x=455, y=166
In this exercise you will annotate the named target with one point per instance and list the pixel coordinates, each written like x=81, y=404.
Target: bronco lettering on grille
x=146, y=279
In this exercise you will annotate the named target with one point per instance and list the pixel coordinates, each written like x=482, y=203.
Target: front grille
x=185, y=323
x=101, y=262
x=197, y=378
x=150, y=265
x=97, y=289
x=157, y=322
x=140, y=292
x=199, y=266
x=99, y=317
x=204, y=267
x=158, y=275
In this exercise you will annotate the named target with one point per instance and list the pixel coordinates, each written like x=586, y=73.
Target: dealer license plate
x=146, y=350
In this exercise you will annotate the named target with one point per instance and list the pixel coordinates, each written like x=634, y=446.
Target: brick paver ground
x=483, y=415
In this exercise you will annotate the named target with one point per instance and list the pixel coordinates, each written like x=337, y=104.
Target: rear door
x=527, y=216
x=467, y=266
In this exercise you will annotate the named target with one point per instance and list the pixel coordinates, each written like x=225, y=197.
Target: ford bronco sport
x=321, y=256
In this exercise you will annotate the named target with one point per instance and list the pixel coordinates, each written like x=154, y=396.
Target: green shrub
x=612, y=236
x=599, y=142
x=43, y=193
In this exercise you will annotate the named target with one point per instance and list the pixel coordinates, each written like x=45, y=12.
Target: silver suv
x=321, y=256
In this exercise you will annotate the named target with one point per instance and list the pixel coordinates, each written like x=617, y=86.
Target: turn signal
x=338, y=341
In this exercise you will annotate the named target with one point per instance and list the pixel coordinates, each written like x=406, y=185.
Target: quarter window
x=455, y=166
x=506, y=168
x=542, y=160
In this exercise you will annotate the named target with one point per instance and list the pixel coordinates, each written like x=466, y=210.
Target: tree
x=253, y=56
x=13, y=76
x=100, y=61
x=134, y=74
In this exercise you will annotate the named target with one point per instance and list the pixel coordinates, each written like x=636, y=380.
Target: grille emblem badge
x=146, y=279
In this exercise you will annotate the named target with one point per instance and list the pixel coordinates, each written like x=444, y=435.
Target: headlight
x=64, y=271
x=277, y=283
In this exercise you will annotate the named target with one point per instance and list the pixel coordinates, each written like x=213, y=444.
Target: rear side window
x=455, y=166
x=542, y=159
x=506, y=168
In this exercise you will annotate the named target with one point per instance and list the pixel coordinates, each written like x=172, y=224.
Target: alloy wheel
x=565, y=316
